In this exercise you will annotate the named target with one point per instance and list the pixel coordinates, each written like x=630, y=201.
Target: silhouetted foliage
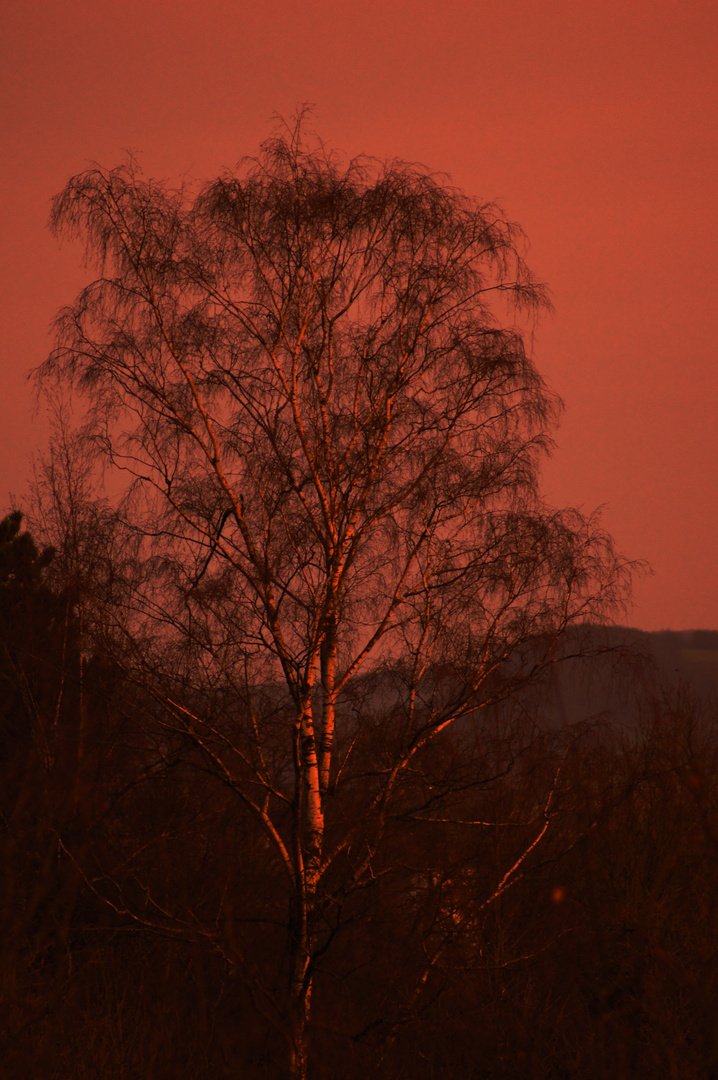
x=598, y=959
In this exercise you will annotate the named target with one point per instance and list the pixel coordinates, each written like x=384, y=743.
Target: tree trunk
x=309, y=840
x=299, y=1054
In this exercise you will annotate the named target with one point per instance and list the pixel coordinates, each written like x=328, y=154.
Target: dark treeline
x=145, y=918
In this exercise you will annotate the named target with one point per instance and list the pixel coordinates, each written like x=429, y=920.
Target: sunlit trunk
x=309, y=839
x=328, y=675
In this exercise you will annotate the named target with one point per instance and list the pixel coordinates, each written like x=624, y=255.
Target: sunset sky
x=594, y=124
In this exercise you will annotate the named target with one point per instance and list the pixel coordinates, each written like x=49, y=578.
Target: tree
x=38, y=767
x=310, y=379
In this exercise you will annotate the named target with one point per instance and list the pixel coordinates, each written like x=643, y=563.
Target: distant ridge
x=620, y=672
x=692, y=655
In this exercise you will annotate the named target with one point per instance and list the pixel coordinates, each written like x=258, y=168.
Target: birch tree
x=310, y=383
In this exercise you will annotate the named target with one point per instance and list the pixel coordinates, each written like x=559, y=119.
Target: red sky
x=592, y=121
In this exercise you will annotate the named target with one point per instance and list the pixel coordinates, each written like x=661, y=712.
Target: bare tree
x=310, y=380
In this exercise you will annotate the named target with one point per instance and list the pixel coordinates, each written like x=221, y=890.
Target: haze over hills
x=629, y=670
x=691, y=654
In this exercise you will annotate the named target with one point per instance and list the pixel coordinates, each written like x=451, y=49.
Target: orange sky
x=592, y=121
